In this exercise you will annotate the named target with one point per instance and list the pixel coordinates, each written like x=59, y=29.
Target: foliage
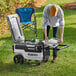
x=7, y=3
x=3, y=4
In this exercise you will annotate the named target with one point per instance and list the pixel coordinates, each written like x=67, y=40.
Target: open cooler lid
x=16, y=30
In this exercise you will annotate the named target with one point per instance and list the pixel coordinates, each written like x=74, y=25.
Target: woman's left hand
x=61, y=41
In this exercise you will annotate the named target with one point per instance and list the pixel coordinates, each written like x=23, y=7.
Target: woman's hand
x=61, y=41
x=46, y=39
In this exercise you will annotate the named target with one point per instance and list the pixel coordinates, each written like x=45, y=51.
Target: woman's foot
x=54, y=59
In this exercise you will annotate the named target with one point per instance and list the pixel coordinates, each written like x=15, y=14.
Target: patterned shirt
x=53, y=21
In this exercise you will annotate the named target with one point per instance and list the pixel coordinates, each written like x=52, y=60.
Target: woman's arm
x=61, y=35
x=45, y=33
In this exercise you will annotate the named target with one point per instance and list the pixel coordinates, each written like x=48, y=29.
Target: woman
x=53, y=16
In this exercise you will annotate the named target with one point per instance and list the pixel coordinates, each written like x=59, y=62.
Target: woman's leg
x=47, y=56
x=48, y=28
x=55, y=35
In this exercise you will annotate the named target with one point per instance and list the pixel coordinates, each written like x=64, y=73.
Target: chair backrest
x=25, y=14
x=16, y=30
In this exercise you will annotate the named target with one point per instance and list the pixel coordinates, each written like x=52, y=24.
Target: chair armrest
x=34, y=18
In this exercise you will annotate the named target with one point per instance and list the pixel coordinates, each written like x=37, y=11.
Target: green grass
x=66, y=65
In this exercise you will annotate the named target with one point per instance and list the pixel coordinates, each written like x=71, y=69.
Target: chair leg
x=35, y=30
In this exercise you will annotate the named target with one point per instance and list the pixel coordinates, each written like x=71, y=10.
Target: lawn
x=66, y=65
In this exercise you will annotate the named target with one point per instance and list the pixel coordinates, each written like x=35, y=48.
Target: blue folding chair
x=25, y=15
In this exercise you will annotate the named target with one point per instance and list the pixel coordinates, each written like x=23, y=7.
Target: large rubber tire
x=18, y=59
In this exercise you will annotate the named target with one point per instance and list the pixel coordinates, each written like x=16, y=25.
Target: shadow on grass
x=12, y=67
x=38, y=10
x=5, y=38
x=70, y=12
x=71, y=24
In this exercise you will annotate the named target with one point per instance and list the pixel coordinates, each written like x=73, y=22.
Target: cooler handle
x=63, y=46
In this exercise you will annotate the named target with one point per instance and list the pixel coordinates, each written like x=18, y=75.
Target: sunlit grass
x=66, y=65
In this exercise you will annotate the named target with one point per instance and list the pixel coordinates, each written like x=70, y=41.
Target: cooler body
x=32, y=51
